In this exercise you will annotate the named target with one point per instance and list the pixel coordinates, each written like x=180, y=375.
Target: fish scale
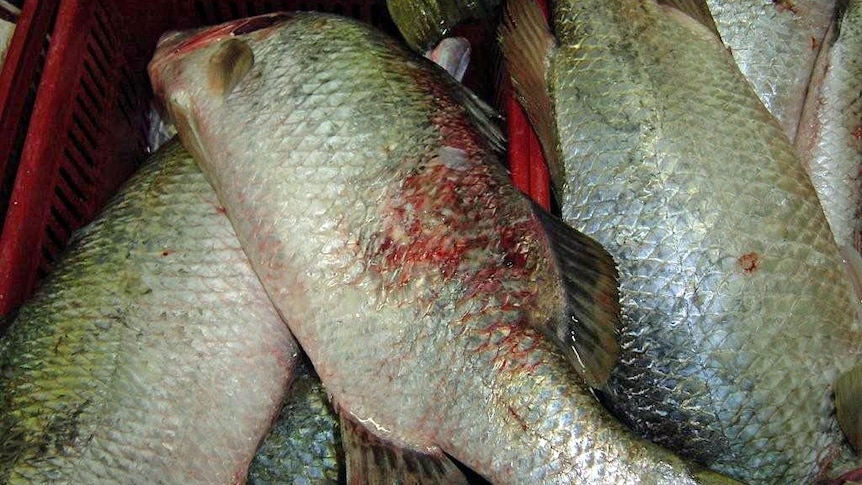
x=738, y=317
x=384, y=273
x=151, y=354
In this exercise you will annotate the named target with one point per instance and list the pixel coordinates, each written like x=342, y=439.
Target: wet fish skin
x=151, y=354
x=830, y=133
x=737, y=316
x=430, y=346
x=423, y=23
x=775, y=44
x=304, y=445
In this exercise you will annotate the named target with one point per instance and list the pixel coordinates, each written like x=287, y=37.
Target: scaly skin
x=304, y=445
x=830, y=134
x=409, y=271
x=151, y=354
x=775, y=43
x=737, y=314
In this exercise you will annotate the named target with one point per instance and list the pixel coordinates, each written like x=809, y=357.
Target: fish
x=151, y=354
x=304, y=444
x=775, y=44
x=366, y=187
x=830, y=133
x=424, y=23
x=738, y=318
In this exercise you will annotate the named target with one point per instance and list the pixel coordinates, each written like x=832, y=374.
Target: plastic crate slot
x=82, y=151
x=69, y=206
x=83, y=110
x=104, y=30
x=61, y=220
x=74, y=187
x=84, y=128
x=96, y=108
x=48, y=260
x=80, y=170
x=54, y=239
x=101, y=65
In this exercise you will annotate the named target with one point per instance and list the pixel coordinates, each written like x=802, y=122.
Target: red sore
x=749, y=262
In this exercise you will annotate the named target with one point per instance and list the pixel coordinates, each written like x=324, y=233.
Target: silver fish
x=364, y=185
x=151, y=354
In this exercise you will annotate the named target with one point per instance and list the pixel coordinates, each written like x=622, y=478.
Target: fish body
x=151, y=354
x=304, y=444
x=737, y=315
x=830, y=133
x=775, y=43
x=364, y=185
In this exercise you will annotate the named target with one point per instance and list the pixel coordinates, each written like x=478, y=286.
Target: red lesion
x=786, y=6
x=220, y=209
x=749, y=262
x=857, y=133
x=167, y=252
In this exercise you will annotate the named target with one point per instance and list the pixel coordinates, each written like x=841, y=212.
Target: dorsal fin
x=527, y=46
x=696, y=9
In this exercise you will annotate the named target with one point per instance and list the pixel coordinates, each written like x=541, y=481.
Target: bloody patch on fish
x=786, y=6
x=857, y=133
x=220, y=209
x=749, y=262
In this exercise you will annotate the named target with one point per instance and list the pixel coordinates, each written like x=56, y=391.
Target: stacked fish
x=354, y=191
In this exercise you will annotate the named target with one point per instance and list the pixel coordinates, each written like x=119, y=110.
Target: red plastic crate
x=73, y=140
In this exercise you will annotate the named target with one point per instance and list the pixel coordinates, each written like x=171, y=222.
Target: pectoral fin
x=228, y=65
x=527, y=46
x=372, y=460
x=848, y=405
x=587, y=332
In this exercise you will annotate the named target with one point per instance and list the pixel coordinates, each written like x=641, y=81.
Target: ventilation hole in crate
x=82, y=151
x=62, y=221
x=73, y=211
x=100, y=73
x=80, y=168
x=73, y=186
x=88, y=85
x=53, y=238
x=85, y=110
x=83, y=128
x=102, y=41
x=48, y=261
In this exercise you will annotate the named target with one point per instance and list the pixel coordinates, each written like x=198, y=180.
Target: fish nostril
x=260, y=22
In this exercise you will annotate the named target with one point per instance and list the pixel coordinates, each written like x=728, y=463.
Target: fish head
x=211, y=59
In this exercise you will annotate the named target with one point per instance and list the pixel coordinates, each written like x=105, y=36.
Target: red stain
x=167, y=252
x=220, y=209
x=786, y=6
x=749, y=262
x=857, y=133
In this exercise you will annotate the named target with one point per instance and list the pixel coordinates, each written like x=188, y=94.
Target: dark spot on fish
x=786, y=6
x=857, y=133
x=749, y=262
x=221, y=209
x=815, y=44
x=167, y=252
x=517, y=417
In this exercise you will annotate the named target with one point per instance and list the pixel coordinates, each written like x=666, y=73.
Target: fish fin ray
x=853, y=264
x=848, y=405
x=485, y=118
x=696, y=9
x=228, y=65
x=372, y=460
x=527, y=45
x=588, y=331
